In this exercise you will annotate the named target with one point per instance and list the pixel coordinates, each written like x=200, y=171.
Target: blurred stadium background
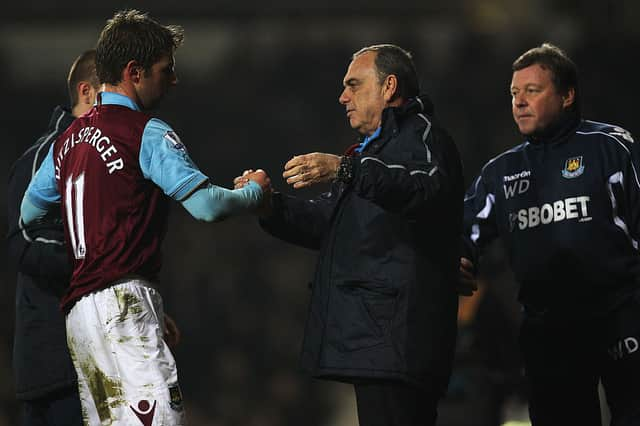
x=259, y=82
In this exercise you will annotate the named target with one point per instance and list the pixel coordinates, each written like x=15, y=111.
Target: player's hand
x=261, y=178
x=171, y=332
x=242, y=180
x=264, y=209
x=467, y=283
x=310, y=169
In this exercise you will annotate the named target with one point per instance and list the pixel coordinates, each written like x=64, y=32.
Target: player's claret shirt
x=110, y=171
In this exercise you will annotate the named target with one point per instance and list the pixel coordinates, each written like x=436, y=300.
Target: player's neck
x=124, y=88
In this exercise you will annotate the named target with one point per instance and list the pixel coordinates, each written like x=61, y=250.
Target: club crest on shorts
x=175, y=397
x=145, y=411
x=573, y=167
x=172, y=137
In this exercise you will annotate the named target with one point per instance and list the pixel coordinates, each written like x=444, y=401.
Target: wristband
x=345, y=169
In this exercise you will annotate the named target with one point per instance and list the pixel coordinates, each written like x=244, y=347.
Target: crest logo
x=573, y=167
x=176, y=397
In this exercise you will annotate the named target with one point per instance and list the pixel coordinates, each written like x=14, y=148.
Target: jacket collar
x=392, y=117
x=558, y=131
x=61, y=118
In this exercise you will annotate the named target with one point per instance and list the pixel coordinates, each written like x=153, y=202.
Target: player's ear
x=132, y=72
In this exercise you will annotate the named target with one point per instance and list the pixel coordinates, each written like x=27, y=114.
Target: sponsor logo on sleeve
x=573, y=167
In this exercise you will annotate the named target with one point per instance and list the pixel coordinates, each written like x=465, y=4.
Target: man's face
x=363, y=95
x=535, y=101
x=156, y=82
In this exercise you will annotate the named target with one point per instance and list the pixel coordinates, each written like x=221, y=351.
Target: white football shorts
x=126, y=373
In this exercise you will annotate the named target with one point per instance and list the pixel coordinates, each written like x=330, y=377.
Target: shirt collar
x=112, y=98
x=368, y=139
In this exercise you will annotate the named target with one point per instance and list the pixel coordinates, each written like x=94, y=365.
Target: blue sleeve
x=42, y=192
x=29, y=212
x=212, y=203
x=165, y=161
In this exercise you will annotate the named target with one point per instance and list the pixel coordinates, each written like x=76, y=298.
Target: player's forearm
x=213, y=203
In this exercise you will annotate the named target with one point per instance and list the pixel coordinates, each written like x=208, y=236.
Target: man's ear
x=569, y=98
x=132, y=72
x=390, y=87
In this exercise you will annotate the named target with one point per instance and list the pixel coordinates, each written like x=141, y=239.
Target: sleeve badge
x=172, y=137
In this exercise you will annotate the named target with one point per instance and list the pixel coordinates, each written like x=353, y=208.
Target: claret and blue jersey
x=162, y=156
x=568, y=212
x=110, y=171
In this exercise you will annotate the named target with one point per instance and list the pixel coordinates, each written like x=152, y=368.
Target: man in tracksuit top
x=113, y=172
x=45, y=378
x=566, y=206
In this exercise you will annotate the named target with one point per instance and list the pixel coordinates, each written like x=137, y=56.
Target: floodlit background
x=259, y=83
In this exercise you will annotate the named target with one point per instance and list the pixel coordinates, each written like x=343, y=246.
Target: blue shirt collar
x=112, y=98
x=368, y=139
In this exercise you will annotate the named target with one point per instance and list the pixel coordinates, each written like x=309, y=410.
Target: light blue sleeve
x=165, y=161
x=212, y=203
x=42, y=192
x=30, y=213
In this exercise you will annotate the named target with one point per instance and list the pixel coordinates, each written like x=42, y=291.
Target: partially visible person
x=566, y=205
x=44, y=375
x=113, y=171
x=487, y=370
x=383, y=305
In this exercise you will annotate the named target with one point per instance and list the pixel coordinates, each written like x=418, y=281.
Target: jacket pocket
x=362, y=314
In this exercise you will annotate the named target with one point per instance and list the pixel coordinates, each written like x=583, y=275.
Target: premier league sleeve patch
x=172, y=137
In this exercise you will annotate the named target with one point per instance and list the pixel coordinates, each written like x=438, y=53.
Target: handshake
x=301, y=171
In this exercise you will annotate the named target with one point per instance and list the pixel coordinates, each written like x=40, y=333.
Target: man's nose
x=343, y=99
x=519, y=100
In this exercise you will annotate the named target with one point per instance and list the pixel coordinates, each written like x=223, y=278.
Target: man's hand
x=310, y=169
x=467, y=283
x=171, y=332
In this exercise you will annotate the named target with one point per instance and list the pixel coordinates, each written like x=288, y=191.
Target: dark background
x=259, y=82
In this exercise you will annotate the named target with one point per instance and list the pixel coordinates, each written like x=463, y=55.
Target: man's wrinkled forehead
x=359, y=68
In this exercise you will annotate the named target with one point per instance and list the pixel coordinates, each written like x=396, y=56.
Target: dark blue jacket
x=383, y=302
x=41, y=360
x=567, y=208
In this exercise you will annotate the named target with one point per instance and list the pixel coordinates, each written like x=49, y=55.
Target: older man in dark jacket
x=383, y=304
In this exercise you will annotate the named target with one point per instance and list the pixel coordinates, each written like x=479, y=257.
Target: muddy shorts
x=126, y=372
